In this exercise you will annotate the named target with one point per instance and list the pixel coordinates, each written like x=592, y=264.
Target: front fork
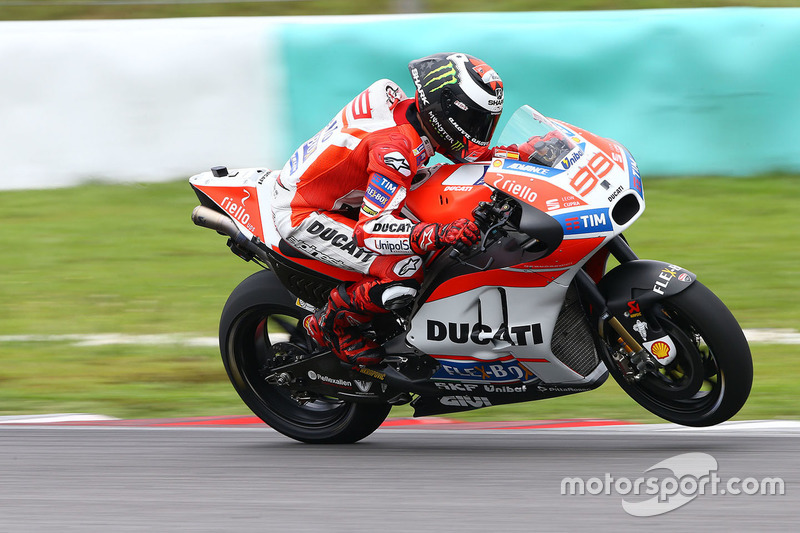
x=633, y=359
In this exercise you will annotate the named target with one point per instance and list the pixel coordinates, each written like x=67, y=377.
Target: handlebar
x=488, y=216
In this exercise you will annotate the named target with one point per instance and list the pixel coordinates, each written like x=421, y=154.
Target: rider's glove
x=426, y=237
x=528, y=148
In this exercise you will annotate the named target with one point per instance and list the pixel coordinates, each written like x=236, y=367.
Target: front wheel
x=261, y=326
x=713, y=359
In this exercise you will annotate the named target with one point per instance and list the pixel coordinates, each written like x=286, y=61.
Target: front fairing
x=486, y=312
x=590, y=184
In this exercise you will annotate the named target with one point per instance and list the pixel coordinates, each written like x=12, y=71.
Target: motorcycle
x=530, y=312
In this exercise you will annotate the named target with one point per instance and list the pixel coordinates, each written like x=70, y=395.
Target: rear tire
x=259, y=316
x=711, y=342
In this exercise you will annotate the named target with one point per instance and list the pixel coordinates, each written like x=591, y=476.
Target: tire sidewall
x=722, y=333
x=263, y=290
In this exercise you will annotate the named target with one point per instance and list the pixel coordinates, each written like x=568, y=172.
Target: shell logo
x=660, y=349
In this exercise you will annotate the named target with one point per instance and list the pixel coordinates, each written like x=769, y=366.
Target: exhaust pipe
x=208, y=218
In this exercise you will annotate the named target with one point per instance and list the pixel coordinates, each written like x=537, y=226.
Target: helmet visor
x=477, y=125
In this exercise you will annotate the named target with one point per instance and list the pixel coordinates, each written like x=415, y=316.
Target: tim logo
x=381, y=189
x=591, y=221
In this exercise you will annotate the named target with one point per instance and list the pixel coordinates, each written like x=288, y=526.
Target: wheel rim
x=258, y=341
x=694, y=355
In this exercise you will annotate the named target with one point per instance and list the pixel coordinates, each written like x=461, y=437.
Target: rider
x=340, y=195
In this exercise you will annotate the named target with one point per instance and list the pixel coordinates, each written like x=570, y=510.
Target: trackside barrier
x=700, y=91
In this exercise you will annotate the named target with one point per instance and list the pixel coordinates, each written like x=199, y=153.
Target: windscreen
x=537, y=138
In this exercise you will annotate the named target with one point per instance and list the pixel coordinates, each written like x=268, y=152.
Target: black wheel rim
x=695, y=355
x=256, y=337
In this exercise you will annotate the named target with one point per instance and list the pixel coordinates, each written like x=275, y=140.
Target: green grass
x=127, y=259
x=57, y=10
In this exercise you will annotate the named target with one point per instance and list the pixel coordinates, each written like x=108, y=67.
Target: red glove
x=528, y=148
x=426, y=237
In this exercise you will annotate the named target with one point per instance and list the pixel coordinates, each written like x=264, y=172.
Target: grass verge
x=127, y=259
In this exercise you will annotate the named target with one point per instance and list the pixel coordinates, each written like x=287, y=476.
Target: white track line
x=759, y=336
x=750, y=428
x=54, y=418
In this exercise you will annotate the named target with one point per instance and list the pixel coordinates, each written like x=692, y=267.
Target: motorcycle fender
x=633, y=288
x=643, y=281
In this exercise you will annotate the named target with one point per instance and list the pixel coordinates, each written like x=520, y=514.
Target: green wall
x=699, y=91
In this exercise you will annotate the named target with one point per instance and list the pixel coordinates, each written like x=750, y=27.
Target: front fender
x=635, y=286
x=632, y=292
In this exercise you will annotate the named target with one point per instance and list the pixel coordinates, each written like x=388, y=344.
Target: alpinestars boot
x=339, y=325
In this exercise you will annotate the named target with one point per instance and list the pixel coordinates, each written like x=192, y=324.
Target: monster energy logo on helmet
x=459, y=99
x=444, y=75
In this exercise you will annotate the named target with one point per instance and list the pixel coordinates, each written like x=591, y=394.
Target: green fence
x=697, y=91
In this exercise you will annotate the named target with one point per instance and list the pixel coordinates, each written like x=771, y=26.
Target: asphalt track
x=210, y=475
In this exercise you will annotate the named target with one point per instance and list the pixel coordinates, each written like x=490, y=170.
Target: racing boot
x=339, y=326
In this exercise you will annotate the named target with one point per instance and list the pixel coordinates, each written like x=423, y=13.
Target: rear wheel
x=710, y=378
x=261, y=328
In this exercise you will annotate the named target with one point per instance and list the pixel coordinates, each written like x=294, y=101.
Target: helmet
x=459, y=99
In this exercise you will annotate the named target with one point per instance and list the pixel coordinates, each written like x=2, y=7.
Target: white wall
x=136, y=100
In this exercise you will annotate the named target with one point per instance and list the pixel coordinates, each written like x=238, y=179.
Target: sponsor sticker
x=378, y=197
x=408, y=267
x=589, y=221
x=509, y=371
x=396, y=161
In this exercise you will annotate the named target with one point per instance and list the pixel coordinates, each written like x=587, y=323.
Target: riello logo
x=241, y=203
x=236, y=209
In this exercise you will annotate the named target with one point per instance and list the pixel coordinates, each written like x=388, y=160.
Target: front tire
x=712, y=354
x=259, y=321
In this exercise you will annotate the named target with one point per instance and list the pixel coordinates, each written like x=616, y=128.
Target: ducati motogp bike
x=530, y=312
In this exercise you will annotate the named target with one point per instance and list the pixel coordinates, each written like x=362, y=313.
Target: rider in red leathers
x=364, y=160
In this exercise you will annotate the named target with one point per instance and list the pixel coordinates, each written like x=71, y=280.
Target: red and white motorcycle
x=529, y=313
